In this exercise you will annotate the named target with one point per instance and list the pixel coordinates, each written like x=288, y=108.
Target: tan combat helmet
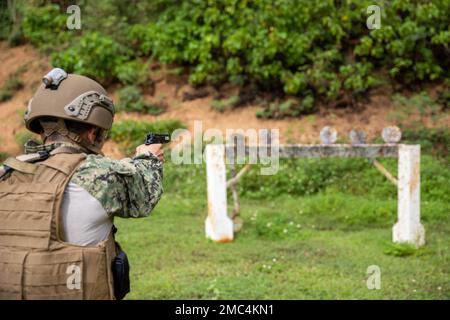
x=70, y=97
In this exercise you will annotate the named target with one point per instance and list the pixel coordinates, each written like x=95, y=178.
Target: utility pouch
x=121, y=273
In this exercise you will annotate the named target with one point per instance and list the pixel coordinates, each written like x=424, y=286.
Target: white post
x=408, y=227
x=218, y=226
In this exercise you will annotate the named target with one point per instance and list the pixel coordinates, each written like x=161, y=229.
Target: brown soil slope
x=372, y=118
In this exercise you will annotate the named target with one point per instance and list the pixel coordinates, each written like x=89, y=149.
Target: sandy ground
x=371, y=118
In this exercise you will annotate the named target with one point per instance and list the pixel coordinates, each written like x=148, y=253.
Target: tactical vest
x=35, y=262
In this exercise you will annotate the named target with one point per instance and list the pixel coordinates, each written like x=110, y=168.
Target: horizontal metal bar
x=320, y=150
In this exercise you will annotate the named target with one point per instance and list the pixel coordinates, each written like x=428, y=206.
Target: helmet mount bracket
x=52, y=79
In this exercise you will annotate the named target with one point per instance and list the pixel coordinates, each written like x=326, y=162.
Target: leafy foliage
x=319, y=50
x=46, y=28
x=133, y=72
x=5, y=21
x=434, y=140
x=288, y=108
x=3, y=155
x=12, y=84
x=444, y=98
x=303, y=177
x=22, y=137
x=316, y=51
x=414, y=113
x=11, y=13
x=131, y=99
x=414, y=38
x=95, y=56
x=224, y=104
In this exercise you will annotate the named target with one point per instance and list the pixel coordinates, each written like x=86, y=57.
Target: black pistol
x=155, y=138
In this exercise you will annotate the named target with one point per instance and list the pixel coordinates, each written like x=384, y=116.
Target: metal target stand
x=220, y=227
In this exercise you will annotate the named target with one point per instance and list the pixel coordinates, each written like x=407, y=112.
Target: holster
x=121, y=272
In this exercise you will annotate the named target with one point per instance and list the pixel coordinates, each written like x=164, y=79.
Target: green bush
x=5, y=21
x=12, y=84
x=287, y=108
x=304, y=47
x=22, y=137
x=46, y=28
x=133, y=72
x=156, y=108
x=302, y=177
x=3, y=156
x=11, y=13
x=130, y=99
x=415, y=113
x=419, y=102
x=444, y=98
x=130, y=133
x=412, y=42
x=101, y=49
x=94, y=55
x=431, y=140
x=114, y=17
x=317, y=51
x=225, y=104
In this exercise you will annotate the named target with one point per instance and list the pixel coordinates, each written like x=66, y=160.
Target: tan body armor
x=35, y=263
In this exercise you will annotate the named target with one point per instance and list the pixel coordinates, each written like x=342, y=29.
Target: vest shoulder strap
x=63, y=162
x=21, y=166
x=23, y=163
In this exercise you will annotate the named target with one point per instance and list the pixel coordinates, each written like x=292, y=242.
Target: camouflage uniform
x=54, y=218
x=126, y=188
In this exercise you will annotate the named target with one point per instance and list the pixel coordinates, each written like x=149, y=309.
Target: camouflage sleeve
x=130, y=187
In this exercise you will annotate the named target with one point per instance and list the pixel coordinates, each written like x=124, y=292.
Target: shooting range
x=220, y=227
x=234, y=150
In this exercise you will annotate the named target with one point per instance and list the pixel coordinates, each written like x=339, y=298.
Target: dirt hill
x=371, y=118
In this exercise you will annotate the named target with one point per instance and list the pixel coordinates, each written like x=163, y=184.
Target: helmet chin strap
x=59, y=127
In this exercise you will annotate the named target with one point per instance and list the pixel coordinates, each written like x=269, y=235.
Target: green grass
x=294, y=245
